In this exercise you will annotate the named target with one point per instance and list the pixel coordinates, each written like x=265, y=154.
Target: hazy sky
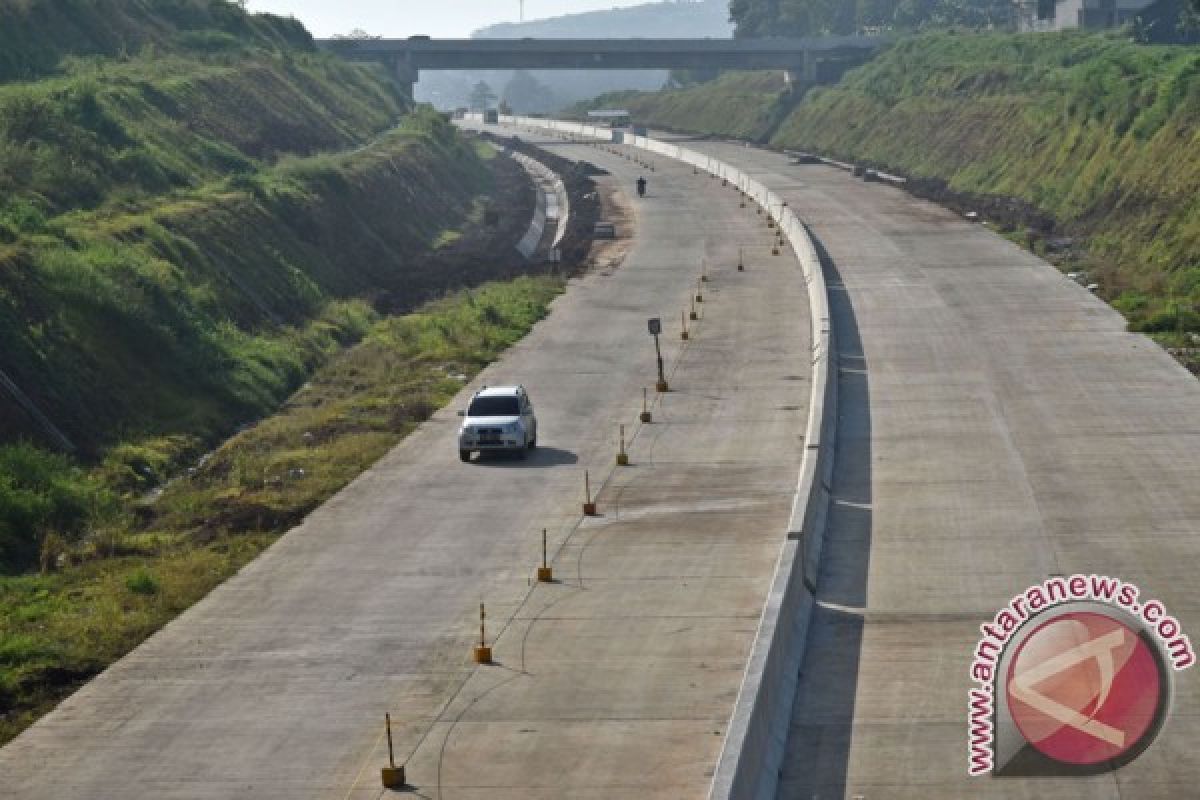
x=453, y=18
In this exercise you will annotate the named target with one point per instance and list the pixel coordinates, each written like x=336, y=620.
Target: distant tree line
x=761, y=18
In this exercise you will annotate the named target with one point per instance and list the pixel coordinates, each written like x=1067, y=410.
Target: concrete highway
x=617, y=680
x=997, y=426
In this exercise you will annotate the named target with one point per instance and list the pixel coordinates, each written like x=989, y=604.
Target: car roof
x=500, y=391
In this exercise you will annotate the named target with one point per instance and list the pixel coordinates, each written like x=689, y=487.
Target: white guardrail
x=752, y=756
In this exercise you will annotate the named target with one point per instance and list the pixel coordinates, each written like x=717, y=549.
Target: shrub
x=42, y=492
x=23, y=216
x=142, y=582
x=1169, y=320
x=209, y=41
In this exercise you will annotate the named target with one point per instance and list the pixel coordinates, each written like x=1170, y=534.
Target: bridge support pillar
x=404, y=74
x=809, y=67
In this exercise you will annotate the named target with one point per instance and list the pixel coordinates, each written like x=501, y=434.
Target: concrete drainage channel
x=756, y=738
x=552, y=209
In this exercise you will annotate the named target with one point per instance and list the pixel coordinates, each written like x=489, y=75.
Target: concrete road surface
x=617, y=680
x=997, y=426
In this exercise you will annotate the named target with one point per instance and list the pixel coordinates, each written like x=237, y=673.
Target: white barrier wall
x=537, y=226
x=755, y=742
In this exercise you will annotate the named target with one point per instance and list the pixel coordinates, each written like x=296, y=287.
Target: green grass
x=136, y=569
x=191, y=311
x=1094, y=130
x=44, y=498
x=200, y=215
x=188, y=197
x=744, y=105
x=37, y=35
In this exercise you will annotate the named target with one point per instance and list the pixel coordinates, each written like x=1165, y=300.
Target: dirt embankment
x=581, y=192
x=484, y=250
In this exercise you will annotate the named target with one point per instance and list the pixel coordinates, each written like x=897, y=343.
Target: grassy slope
x=196, y=218
x=206, y=309
x=35, y=35
x=1099, y=133
x=58, y=629
x=746, y=105
x=176, y=247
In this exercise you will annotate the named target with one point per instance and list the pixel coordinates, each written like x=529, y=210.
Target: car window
x=493, y=407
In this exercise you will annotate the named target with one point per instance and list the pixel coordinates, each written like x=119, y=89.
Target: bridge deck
x=421, y=53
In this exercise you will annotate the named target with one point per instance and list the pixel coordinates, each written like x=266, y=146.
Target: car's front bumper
x=504, y=443
x=492, y=446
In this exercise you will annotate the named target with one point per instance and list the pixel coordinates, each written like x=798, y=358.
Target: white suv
x=498, y=418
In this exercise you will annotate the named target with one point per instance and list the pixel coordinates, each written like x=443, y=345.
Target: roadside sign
x=655, y=326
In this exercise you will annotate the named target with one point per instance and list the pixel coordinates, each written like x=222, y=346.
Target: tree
x=526, y=94
x=753, y=18
x=482, y=96
x=761, y=18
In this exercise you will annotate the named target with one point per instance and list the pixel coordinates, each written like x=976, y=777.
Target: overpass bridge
x=809, y=59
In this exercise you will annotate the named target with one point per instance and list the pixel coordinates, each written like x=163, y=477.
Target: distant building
x=1061, y=15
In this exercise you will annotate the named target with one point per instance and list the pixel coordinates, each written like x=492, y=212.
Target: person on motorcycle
x=641, y=184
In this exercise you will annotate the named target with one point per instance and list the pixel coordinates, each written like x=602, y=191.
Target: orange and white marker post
x=393, y=776
x=589, y=506
x=483, y=653
x=545, y=573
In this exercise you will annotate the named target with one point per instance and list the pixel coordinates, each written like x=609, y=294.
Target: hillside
x=186, y=233
x=677, y=19
x=176, y=231
x=745, y=105
x=234, y=272
x=35, y=35
x=1091, y=134
x=670, y=20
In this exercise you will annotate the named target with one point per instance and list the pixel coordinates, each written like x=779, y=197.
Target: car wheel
x=464, y=455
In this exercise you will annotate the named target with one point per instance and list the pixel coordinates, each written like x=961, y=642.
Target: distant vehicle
x=491, y=117
x=612, y=118
x=498, y=418
x=801, y=157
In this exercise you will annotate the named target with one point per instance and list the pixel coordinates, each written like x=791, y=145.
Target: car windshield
x=493, y=407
